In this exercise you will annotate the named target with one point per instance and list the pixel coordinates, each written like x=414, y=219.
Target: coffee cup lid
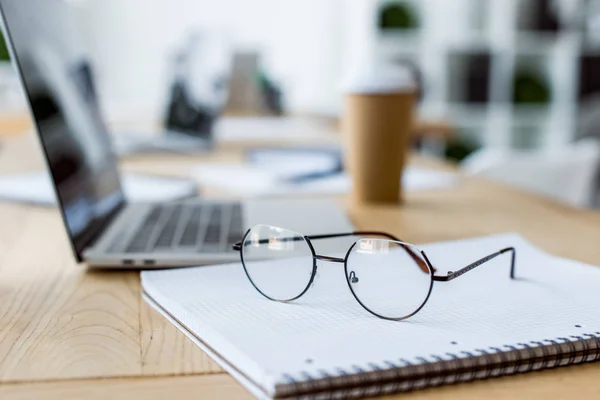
x=380, y=78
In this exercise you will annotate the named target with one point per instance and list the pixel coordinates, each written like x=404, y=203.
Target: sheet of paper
x=132, y=143
x=263, y=180
x=36, y=188
x=297, y=163
x=239, y=129
x=327, y=330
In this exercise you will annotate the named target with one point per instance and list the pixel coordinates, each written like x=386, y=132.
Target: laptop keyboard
x=207, y=228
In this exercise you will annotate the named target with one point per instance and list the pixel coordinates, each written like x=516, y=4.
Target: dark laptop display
x=60, y=90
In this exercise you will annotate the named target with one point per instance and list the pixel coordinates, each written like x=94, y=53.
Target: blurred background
x=509, y=88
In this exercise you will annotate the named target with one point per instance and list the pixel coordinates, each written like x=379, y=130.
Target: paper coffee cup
x=377, y=125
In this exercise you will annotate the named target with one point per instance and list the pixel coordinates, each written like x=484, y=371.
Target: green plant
x=458, y=148
x=397, y=16
x=530, y=87
x=4, y=55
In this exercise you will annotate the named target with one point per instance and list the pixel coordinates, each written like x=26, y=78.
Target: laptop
x=104, y=229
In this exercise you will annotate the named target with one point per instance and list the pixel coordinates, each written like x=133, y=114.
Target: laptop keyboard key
x=189, y=237
x=189, y=227
x=144, y=233
x=165, y=239
x=212, y=236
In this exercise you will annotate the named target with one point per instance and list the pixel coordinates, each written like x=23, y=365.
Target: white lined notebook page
x=327, y=329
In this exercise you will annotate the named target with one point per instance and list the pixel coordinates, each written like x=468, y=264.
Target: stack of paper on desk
x=36, y=188
x=481, y=325
x=252, y=180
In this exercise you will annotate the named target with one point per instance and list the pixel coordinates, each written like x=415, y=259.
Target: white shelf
x=400, y=35
x=589, y=50
x=536, y=43
x=400, y=43
x=527, y=115
x=476, y=44
x=448, y=28
x=528, y=137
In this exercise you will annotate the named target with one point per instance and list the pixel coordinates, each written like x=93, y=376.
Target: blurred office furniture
x=245, y=96
x=590, y=16
x=471, y=72
x=300, y=43
x=448, y=39
x=568, y=174
x=589, y=118
x=539, y=15
x=199, y=85
x=467, y=51
x=589, y=74
x=252, y=90
x=505, y=72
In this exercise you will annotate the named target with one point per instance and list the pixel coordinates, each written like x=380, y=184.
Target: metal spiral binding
x=403, y=375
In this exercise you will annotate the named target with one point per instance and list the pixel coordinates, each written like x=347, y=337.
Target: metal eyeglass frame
x=423, y=263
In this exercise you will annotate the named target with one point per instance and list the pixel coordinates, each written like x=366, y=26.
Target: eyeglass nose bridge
x=329, y=259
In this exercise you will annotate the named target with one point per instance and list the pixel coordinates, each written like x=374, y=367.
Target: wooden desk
x=70, y=333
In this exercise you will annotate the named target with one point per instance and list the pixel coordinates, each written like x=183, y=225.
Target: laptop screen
x=59, y=86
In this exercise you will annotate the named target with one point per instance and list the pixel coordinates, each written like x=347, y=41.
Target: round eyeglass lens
x=390, y=279
x=278, y=262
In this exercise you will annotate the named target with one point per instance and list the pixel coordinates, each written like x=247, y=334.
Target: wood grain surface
x=66, y=332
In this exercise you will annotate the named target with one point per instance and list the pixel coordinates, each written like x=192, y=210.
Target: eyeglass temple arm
x=238, y=246
x=422, y=265
x=452, y=275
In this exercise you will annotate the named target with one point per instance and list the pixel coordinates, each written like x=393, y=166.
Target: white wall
x=131, y=42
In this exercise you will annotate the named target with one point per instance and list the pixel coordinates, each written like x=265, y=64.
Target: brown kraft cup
x=377, y=129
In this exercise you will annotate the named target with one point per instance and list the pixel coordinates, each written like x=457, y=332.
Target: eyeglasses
x=389, y=278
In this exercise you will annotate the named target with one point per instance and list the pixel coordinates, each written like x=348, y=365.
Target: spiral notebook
x=325, y=345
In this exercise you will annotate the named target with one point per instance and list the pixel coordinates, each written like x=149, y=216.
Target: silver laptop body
x=104, y=229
